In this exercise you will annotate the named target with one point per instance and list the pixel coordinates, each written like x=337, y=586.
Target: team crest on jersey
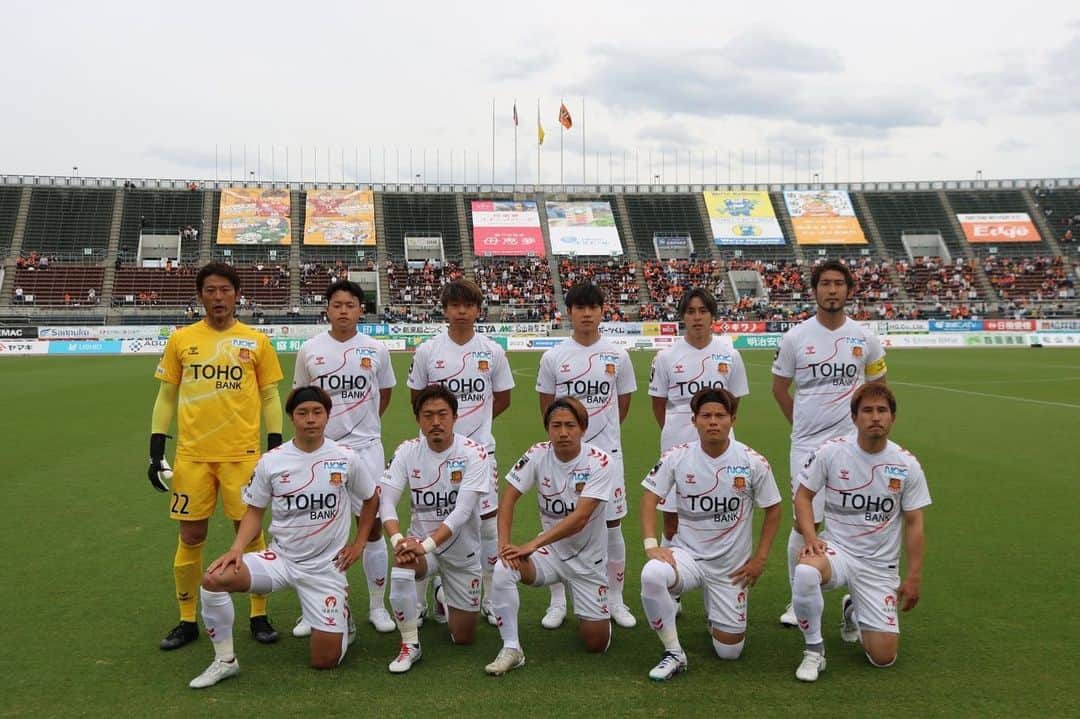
x=335, y=478
x=609, y=368
x=723, y=363
x=483, y=361
x=857, y=345
x=457, y=470
x=894, y=485
x=244, y=344
x=578, y=487
x=244, y=355
x=739, y=483
x=609, y=361
x=618, y=493
x=335, y=467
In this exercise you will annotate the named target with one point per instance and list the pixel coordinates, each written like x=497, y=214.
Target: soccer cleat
x=506, y=660
x=216, y=672
x=381, y=620
x=553, y=617
x=849, y=630
x=183, y=633
x=488, y=612
x=788, y=618
x=671, y=663
x=262, y=630
x=811, y=665
x=408, y=655
x=440, y=602
x=678, y=606
x=620, y=614
x=351, y=630
x=301, y=629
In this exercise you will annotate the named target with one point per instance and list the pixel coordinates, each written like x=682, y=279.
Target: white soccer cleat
x=811, y=665
x=440, y=602
x=351, y=630
x=381, y=620
x=554, y=617
x=849, y=630
x=301, y=629
x=216, y=672
x=410, y=654
x=505, y=661
x=620, y=614
x=670, y=664
x=788, y=618
x=488, y=612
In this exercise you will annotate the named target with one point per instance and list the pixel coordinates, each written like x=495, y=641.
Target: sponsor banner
x=998, y=227
x=824, y=217
x=583, y=228
x=506, y=227
x=901, y=327
x=924, y=340
x=86, y=347
x=374, y=330
x=429, y=329
x=780, y=326
x=18, y=332
x=254, y=217
x=1009, y=325
x=956, y=325
x=997, y=339
x=11, y=348
x=1059, y=325
x=340, y=217
x=539, y=329
x=107, y=332
x=725, y=327
x=756, y=342
x=621, y=328
x=743, y=218
x=286, y=344
x=1055, y=339
x=153, y=346
x=70, y=333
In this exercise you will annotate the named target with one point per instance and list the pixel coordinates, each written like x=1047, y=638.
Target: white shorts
x=490, y=501
x=460, y=579
x=618, y=506
x=588, y=589
x=724, y=599
x=324, y=595
x=872, y=587
x=799, y=455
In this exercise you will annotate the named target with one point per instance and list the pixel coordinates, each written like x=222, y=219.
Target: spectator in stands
x=20, y=297
x=91, y=296
x=119, y=263
x=67, y=298
x=43, y=262
x=1068, y=236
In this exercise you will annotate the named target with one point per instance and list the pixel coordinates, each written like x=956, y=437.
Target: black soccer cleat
x=262, y=630
x=182, y=634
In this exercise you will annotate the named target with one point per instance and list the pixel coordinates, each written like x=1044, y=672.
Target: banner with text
x=994, y=227
x=823, y=217
x=340, y=217
x=506, y=227
x=254, y=217
x=583, y=228
x=743, y=218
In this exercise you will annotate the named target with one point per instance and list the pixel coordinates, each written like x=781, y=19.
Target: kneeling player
x=872, y=483
x=716, y=481
x=573, y=484
x=311, y=485
x=446, y=475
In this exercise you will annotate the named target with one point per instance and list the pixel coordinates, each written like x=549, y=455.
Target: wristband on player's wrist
x=157, y=445
x=395, y=538
x=428, y=545
x=650, y=543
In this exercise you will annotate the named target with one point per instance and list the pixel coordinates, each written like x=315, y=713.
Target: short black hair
x=346, y=286
x=835, y=266
x=464, y=291
x=221, y=270
x=702, y=294
x=571, y=405
x=871, y=390
x=714, y=394
x=433, y=392
x=310, y=393
x=584, y=294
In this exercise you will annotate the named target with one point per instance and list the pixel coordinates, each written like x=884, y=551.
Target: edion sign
x=998, y=227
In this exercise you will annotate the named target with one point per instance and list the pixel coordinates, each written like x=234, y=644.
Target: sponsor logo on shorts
x=330, y=602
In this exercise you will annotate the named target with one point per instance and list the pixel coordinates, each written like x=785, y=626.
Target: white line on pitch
x=986, y=394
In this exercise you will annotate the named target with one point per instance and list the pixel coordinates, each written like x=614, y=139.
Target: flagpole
x=583, y=140
x=562, y=131
x=493, y=141
x=538, y=143
x=515, y=144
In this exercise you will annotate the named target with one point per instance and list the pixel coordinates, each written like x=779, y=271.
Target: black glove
x=273, y=439
x=159, y=472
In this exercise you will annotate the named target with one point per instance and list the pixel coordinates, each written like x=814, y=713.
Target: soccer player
x=311, y=485
x=592, y=370
x=874, y=485
x=697, y=360
x=355, y=370
x=715, y=482
x=573, y=484
x=446, y=475
x=218, y=375
x=827, y=357
x=475, y=369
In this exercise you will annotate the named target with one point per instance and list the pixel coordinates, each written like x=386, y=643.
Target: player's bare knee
x=215, y=583
x=193, y=533
x=596, y=635
x=325, y=660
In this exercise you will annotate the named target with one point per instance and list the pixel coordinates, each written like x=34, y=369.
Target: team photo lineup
x=854, y=497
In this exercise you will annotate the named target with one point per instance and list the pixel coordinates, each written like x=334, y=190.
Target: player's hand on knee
x=232, y=558
x=348, y=556
x=747, y=575
x=159, y=472
x=814, y=548
x=663, y=554
x=908, y=594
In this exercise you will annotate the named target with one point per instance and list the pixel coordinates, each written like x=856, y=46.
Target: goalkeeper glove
x=159, y=472
x=273, y=439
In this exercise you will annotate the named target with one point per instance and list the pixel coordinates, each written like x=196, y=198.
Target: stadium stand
x=142, y=286
x=982, y=201
x=60, y=285
x=428, y=213
x=617, y=278
x=933, y=279
x=418, y=286
x=69, y=224
x=1031, y=279
x=161, y=212
x=1061, y=208
x=651, y=214
x=9, y=210
x=897, y=213
x=518, y=288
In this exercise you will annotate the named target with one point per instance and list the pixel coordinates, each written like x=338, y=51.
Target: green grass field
x=87, y=585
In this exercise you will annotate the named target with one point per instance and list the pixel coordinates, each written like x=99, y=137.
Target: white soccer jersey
x=559, y=485
x=312, y=496
x=715, y=497
x=352, y=373
x=681, y=370
x=864, y=495
x=827, y=367
x=472, y=371
x=434, y=481
x=596, y=375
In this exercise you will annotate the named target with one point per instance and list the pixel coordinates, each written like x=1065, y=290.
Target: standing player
x=311, y=485
x=697, y=361
x=475, y=370
x=592, y=370
x=573, y=483
x=446, y=475
x=714, y=483
x=828, y=356
x=872, y=482
x=355, y=370
x=218, y=374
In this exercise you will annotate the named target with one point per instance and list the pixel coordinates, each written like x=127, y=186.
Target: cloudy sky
x=736, y=91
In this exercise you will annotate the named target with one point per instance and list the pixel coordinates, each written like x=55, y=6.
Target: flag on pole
x=539, y=129
x=515, y=114
x=564, y=117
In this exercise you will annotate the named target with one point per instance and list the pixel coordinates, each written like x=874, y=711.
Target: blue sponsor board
x=374, y=329
x=545, y=342
x=85, y=347
x=956, y=325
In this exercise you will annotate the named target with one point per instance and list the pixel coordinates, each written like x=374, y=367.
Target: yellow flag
x=539, y=132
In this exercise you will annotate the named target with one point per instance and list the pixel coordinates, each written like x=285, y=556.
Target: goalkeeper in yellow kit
x=217, y=375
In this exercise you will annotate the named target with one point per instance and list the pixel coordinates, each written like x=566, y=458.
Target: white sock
x=505, y=602
x=795, y=545
x=731, y=652
x=403, y=600
x=616, y=565
x=808, y=602
x=558, y=595
x=376, y=560
x=421, y=594
x=656, y=580
x=218, y=616
x=489, y=547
